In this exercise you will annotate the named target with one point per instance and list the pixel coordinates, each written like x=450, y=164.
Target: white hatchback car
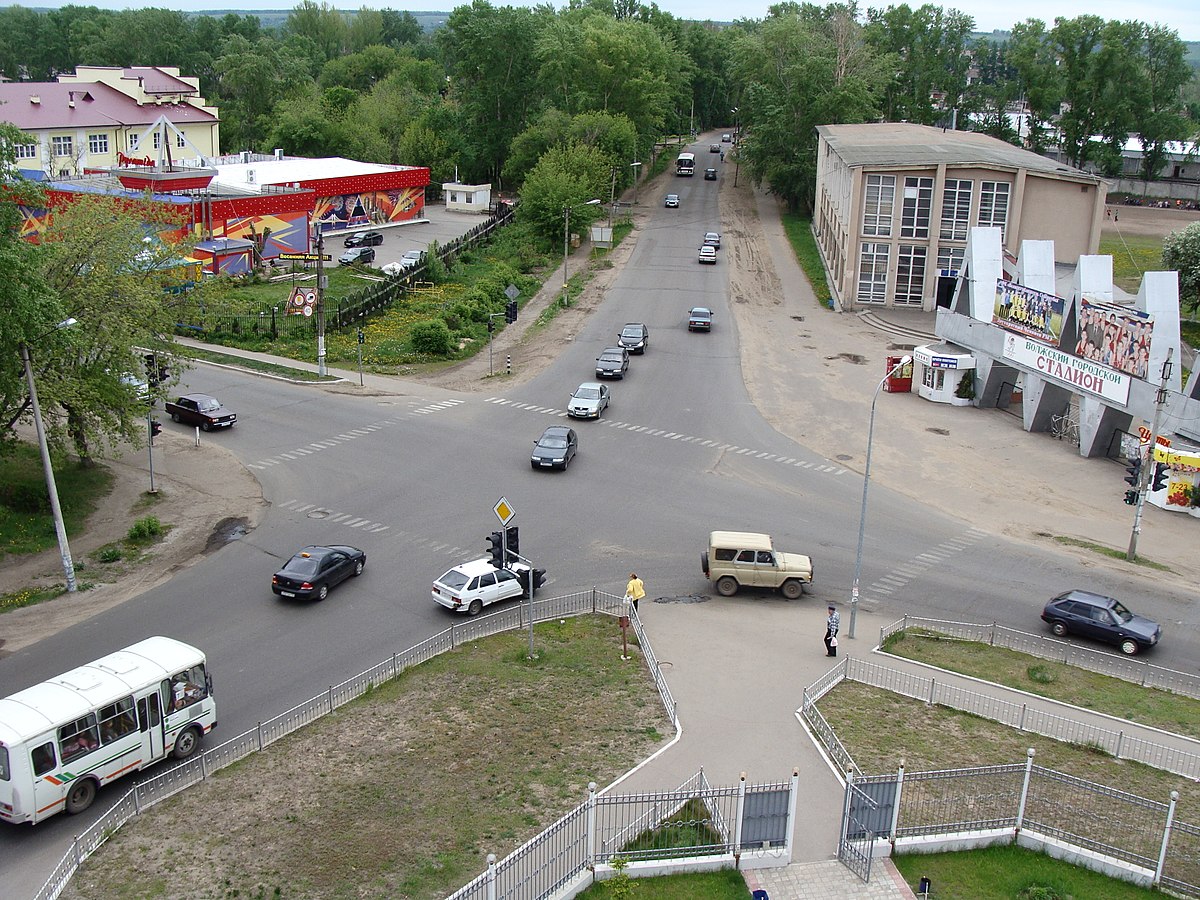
x=589, y=400
x=473, y=585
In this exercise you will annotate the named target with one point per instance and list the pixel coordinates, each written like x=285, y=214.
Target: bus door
x=150, y=721
x=49, y=789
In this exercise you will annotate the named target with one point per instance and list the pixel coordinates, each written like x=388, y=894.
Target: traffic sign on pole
x=503, y=511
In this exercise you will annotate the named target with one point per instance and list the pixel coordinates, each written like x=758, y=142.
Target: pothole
x=850, y=358
x=227, y=530
x=320, y=513
x=798, y=318
x=687, y=598
x=843, y=457
x=941, y=431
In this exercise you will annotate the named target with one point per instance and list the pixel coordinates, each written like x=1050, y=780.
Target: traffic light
x=496, y=549
x=155, y=428
x=1158, y=480
x=512, y=543
x=151, y=369
x=1131, y=497
x=1134, y=469
x=510, y=312
x=491, y=325
x=539, y=579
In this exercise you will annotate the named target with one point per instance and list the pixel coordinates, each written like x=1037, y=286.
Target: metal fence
x=661, y=827
x=158, y=788
x=1136, y=671
x=1137, y=838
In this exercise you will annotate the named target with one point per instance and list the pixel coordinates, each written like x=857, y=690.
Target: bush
x=432, y=337
x=108, y=554
x=145, y=529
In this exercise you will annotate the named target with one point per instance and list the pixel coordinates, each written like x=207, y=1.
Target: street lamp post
x=60, y=529
x=862, y=519
x=636, y=166
x=737, y=166
x=566, y=244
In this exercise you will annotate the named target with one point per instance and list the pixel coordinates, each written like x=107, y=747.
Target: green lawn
x=1132, y=255
x=799, y=232
x=26, y=525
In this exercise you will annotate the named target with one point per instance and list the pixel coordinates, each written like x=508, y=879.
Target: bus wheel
x=81, y=795
x=186, y=743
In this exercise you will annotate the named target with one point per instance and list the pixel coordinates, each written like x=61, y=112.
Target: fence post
x=1024, y=792
x=793, y=795
x=593, y=598
x=508, y=364
x=846, y=812
x=1162, y=853
x=451, y=635
x=1021, y=724
x=78, y=853
x=490, y=891
x=896, y=805
x=737, y=821
x=1120, y=743
x=204, y=766
x=394, y=671
x=932, y=688
x=331, y=698
x=992, y=636
x=590, y=845
x=260, y=736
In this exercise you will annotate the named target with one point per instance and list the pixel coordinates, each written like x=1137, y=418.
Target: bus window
x=187, y=687
x=43, y=758
x=4, y=774
x=116, y=720
x=78, y=738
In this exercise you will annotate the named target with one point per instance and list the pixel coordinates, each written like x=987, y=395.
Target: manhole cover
x=320, y=513
x=942, y=431
x=842, y=457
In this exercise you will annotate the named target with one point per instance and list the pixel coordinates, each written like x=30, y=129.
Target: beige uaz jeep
x=738, y=559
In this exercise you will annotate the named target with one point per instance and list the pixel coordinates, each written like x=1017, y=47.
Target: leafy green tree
x=303, y=124
x=253, y=78
x=802, y=67
x=321, y=23
x=110, y=272
x=1159, y=111
x=362, y=70
x=400, y=28
x=1181, y=252
x=565, y=176
x=1076, y=43
x=1032, y=56
x=364, y=28
x=550, y=129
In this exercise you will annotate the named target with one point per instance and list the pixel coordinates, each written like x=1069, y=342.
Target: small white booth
x=476, y=198
x=941, y=369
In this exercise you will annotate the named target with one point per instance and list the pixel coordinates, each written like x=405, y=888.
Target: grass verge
x=799, y=233
x=1070, y=684
x=254, y=365
x=26, y=525
x=1010, y=873
x=726, y=884
x=407, y=788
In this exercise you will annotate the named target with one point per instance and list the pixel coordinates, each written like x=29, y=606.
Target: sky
x=1181, y=15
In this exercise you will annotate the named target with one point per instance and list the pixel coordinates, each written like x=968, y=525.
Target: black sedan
x=365, y=239
x=612, y=363
x=555, y=448
x=1100, y=618
x=314, y=570
x=634, y=337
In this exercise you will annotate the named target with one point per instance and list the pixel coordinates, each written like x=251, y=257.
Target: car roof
x=474, y=567
x=198, y=397
x=740, y=540
x=673, y=195
x=634, y=325
x=589, y=384
x=712, y=234
x=556, y=431
x=1086, y=597
x=700, y=309
x=616, y=351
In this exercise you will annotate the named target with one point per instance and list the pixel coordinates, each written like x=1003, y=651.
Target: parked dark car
x=710, y=174
x=612, y=363
x=202, y=410
x=314, y=570
x=555, y=448
x=357, y=255
x=634, y=337
x=365, y=239
x=700, y=319
x=1100, y=618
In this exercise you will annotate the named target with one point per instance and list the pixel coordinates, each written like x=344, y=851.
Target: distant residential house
x=99, y=117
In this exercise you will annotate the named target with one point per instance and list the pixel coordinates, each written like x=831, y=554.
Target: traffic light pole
x=150, y=443
x=1148, y=464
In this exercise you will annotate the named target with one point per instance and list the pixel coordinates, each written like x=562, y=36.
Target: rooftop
x=904, y=145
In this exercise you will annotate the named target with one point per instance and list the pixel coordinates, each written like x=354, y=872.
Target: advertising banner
x=1028, y=312
x=1072, y=371
x=1115, y=336
x=302, y=302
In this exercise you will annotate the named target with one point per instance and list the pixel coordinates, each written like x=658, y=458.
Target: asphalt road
x=411, y=474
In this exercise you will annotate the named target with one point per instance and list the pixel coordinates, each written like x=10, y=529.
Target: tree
x=1159, y=112
x=565, y=176
x=1181, y=252
x=1030, y=53
x=321, y=24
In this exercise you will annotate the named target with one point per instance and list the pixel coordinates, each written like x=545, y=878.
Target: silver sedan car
x=589, y=400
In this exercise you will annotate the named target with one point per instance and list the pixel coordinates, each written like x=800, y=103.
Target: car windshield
x=587, y=394
x=1121, y=612
x=454, y=579
x=208, y=405
x=301, y=565
x=633, y=332
x=552, y=443
x=610, y=358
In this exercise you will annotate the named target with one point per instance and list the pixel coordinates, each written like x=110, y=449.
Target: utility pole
x=321, y=304
x=1160, y=402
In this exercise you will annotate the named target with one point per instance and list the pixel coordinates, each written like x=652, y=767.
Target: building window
x=180, y=140
x=956, y=209
x=877, y=210
x=914, y=213
x=62, y=146
x=910, y=274
x=133, y=141
x=26, y=151
x=157, y=140
x=97, y=143
x=950, y=260
x=873, y=272
x=933, y=378
x=993, y=204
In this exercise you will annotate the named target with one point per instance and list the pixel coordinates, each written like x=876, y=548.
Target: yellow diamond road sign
x=503, y=511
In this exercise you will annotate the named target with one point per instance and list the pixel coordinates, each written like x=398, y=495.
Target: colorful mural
x=274, y=234
x=370, y=208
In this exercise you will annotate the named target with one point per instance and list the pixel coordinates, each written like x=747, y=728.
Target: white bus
x=685, y=164
x=63, y=739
